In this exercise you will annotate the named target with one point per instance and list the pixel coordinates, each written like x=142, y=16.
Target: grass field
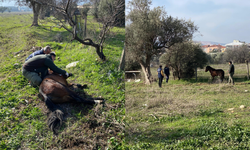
x=185, y=114
x=23, y=115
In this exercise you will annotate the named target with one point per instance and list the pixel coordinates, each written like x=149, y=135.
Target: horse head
x=207, y=68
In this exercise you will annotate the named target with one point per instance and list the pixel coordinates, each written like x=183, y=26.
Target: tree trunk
x=42, y=14
x=85, y=26
x=146, y=70
x=36, y=8
x=147, y=74
x=122, y=61
x=98, y=47
x=247, y=70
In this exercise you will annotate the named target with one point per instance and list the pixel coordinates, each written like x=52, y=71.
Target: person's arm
x=49, y=63
x=162, y=73
x=230, y=69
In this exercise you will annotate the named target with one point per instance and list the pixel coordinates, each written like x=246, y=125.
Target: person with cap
x=230, y=72
x=36, y=68
x=160, y=75
x=45, y=50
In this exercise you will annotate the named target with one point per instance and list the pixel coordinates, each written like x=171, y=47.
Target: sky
x=8, y=3
x=219, y=21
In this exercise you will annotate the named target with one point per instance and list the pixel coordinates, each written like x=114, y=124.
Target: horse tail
x=55, y=117
x=222, y=76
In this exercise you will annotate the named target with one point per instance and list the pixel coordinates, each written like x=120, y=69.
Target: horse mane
x=210, y=68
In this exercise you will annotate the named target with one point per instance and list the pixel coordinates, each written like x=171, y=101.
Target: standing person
x=45, y=50
x=160, y=75
x=166, y=71
x=36, y=68
x=231, y=73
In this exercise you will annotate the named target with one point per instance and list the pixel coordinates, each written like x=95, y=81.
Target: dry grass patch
x=169, y=100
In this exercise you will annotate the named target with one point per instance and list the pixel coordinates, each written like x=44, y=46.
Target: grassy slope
x=23, y=114
x=189, y=115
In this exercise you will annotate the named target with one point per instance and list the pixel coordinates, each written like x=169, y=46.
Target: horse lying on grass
x=54, y=89
x=215, y=72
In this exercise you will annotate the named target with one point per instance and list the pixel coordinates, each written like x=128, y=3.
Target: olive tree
x=2, y=9
x=183, y=58
x=36, y=6
x=237, y=54
x=71, y=24
x=150, y=31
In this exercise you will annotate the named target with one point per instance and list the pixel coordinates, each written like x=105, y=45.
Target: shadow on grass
x=207, y=133
x=206, y=79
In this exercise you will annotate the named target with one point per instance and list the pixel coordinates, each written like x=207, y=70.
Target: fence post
x=196, y=72
x=247, y=70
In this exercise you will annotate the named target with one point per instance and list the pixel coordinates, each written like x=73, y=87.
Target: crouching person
x=36, y=68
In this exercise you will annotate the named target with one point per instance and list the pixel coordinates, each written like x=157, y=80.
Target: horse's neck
x=211, y=70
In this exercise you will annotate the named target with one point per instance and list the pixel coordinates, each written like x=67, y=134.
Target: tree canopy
x=183, y=58
x=150, y=31
x=2, y=9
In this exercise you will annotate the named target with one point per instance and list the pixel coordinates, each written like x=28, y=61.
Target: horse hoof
x=99, y=101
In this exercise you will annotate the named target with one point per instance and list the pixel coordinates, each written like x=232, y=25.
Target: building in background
x=235, y=44
x=213, y=48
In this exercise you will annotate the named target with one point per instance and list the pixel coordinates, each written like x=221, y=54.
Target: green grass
x=185, y=114
x=23, y=115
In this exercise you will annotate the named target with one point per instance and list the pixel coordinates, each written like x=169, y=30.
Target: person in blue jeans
x=166, y=72
x=45, y=50
x=160, y=75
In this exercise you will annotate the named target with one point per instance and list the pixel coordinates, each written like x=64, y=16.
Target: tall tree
x=237, y=54
x=150, y=31
x=2, y=9
x=84, y=12
x=95, y=5
x=36, y=8
x=183, y=58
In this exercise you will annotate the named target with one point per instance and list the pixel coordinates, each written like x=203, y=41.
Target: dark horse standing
x=215, y=72
x=55, y=90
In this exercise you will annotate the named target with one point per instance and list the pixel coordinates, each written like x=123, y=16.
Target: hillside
x=209, y=43
x=23, y=114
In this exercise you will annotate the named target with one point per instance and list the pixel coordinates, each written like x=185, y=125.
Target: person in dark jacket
x=160, y=75
x=36, y=68
x=45, y=50
x=231, y=73
x=166, y=72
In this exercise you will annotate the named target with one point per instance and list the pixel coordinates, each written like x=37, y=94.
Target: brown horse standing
x=215, y=72
x=55, y=90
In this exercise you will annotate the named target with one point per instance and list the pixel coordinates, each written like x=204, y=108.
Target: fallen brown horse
x=215, y=72
x=55, y=90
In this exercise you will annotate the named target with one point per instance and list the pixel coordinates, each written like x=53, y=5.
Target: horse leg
x=221, y=78
x=79, y=99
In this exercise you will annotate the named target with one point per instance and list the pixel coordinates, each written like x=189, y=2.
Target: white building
x=236, y=43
